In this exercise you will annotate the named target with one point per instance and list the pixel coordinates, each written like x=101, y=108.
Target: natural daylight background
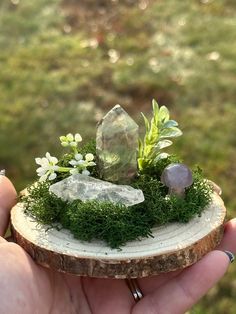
x=63, y=64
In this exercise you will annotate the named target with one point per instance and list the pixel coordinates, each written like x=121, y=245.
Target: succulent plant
x=158, y=132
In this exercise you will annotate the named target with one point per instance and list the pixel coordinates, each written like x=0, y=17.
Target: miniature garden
x=60, y=74
x=71, y=194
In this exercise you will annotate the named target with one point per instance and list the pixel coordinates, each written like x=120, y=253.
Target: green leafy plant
x=158, y=132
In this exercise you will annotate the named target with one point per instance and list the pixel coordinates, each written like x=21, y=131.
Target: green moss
x=155, y=169
x=42, y=205
x=115, y=223
x=88, y=147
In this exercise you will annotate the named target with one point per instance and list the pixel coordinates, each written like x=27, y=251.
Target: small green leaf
x=155, y=108
x=147, y=124
x=155, y=150
x=162, y=144
x=170, y=132
x=140, y=163
x=164, y=114
x=169, y=124
x=153, y=134
x=161, y=156
x=140, y=148
x=147, y=151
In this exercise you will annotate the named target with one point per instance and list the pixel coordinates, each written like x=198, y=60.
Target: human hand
x=26, y=287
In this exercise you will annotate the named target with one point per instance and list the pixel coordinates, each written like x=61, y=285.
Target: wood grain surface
x=173, y=246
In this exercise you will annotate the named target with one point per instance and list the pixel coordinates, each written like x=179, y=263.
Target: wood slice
x=174, y=246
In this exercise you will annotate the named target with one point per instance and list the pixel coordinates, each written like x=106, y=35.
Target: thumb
x=183, y=291
x=8, y=197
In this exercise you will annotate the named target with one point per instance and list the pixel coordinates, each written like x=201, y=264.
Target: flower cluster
x=49, y=167
x=80, y=164
x=71, y=140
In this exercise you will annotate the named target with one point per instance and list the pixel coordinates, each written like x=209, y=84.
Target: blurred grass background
x=63, y=64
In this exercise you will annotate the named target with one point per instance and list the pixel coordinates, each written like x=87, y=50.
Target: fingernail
x=2, y=172
x=230, y=256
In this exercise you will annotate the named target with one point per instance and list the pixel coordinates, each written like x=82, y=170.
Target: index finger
x=8, y=197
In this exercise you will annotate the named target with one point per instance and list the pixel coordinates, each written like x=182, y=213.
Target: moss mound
x=115, y=223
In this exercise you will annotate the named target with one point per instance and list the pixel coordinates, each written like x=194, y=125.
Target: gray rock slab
x=86, y=188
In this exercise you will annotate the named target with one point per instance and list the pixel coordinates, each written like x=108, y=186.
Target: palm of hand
x=29, y=288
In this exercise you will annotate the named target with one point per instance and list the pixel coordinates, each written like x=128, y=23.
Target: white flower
x=73, y=144
x=70, y=140
x=89, y=157
x=77, y=161
x=47, y=167
x=91, y=163
x=74, y=171
x=78, y=138
x=64, y=144
x=86, y=172
x=70, y=137
x=64, y=141
x=80, y=164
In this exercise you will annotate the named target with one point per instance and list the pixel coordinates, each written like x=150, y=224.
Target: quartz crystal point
x=117, y=146
x=85, y=188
